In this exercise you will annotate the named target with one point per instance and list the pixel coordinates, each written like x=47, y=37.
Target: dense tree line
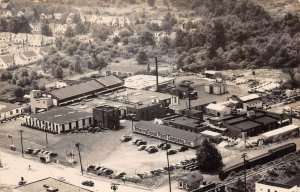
x=236, y=34
x=15, y=25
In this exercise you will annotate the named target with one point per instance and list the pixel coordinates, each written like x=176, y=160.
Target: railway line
x=263, y=168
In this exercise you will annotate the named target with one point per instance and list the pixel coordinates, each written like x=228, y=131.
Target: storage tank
x=217, y=89
x=208, y=88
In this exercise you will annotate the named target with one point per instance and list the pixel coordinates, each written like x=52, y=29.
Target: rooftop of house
x=5, y=107
x=145, y=81
x=7, y=59
x=29, y=54
x=50, y=183
x=61, y=115
x=193, y=177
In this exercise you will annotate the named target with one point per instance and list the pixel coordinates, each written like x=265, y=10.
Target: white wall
x=268, y=188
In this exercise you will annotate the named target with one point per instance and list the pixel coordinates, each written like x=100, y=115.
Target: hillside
x=280, y=7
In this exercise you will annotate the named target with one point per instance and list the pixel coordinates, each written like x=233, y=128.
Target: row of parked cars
x=99, y=170
x=40, y=152
x=191, y=164
x=89, y=130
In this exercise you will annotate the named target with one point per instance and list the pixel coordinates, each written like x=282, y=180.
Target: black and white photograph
x=149, y=95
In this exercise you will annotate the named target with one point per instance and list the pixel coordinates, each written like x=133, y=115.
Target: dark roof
x=246, y=125
x=52, y=183
x=185, y=121
x=193, y=177
x=275, y=184
x=109, y=80
x=61, y=115
x=235, y=120
x=168, y=130
x=77, y=89
x=5, y=107
x=293, y=181
x=29, y=54
x=7, y=59
x=266, y=120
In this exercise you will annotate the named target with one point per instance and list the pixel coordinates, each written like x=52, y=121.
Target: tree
x=238, y=186
x=80, y=28
x=46, y=30
x=101, y=32
x=57, y=72
x=142, y=58
x=147, y=38
x=151, y=3
x=209, y=157
x=69, y=32
x=168, y=22
x=18, y=92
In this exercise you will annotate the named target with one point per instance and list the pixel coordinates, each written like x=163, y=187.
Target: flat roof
x=38, y=186
x=266, y=120
x=236, y=120
x=144, y=81
x=5, y=107
x=186, y=121
x=168, y=130
x=280, y=131
x=211, y=133
x=77, y=89
x=249, y=97
x=61, y=115
x=246, y=125
x=216, y=107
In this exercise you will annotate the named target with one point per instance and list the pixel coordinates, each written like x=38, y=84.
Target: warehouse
x=286, y=130
x=59, y=120
x=8, y=111
x=167, y=133
x=148, y=82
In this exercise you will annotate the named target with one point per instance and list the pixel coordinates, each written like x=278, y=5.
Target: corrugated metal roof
x=77, y=89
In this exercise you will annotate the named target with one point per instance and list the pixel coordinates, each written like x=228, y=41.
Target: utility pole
x=21, y=132
x=46, y=137
x=168, y=166
x=78, y=145
x=156, y=69
x=245, y=179
x=189, y=100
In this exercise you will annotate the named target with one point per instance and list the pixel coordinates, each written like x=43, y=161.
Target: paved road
x=16, y=167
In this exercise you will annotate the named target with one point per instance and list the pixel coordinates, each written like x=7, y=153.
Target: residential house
x=20, y=14
x=6, y=14
x=217, y=110
x=57, y=16
x=36, y=28
x=28, y=57
x=70, y=18
x=160, y=35
x=120, y=22
x=7, y=61
x=191, y=181
x=20, y=38
x=8, y=111
x=3, y=49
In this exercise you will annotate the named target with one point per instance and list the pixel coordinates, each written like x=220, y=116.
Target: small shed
x=191, y=181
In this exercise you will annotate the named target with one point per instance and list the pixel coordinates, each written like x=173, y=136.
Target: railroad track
x=263, y=169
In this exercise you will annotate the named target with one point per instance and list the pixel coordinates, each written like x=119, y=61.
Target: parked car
x=166, y=146
x=36, y=151
x=172, y=152
x=134, y=142
x=142, y=147
x=125, y=138
x=88, y=183
x=29, y=151
x=90, y=168
x=183, y=148
x=139, y=143
x=152, y=150
x=160, y=145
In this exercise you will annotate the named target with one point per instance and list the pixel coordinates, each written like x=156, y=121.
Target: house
x=6, y=14
x=191, y=182
x=36, y=28
x=217, y=110
x=251, y=101
x=3, y=49
x=20, y=38
x=160, y=35
x=49, y=185
x=29, y=57
x=57, y=16
x=20, y=14
x=8, y=111
x=287, y=185
x=7, y=61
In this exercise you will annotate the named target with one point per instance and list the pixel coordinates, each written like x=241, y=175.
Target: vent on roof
x=57, y=115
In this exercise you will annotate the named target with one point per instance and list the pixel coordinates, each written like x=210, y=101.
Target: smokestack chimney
x=156, y=68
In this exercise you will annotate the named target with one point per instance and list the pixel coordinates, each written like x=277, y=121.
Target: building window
x=17, y=110
x=269, y=190
x=11, y=112
x=83, y=122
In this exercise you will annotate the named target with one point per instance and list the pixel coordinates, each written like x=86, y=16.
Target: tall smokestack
x=156, y=68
